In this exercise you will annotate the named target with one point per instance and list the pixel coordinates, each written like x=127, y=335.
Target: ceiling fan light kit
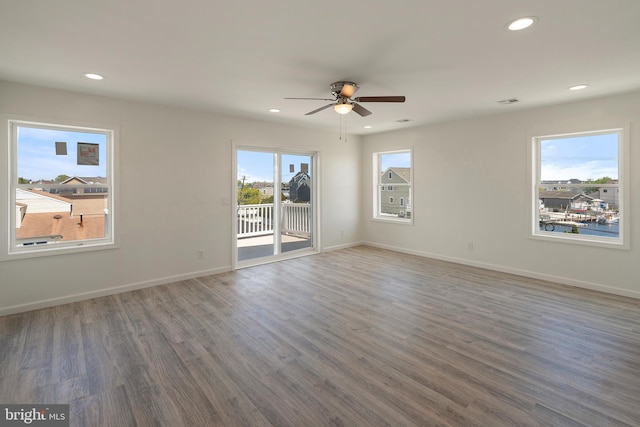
x=343, y=107
x=344, y=101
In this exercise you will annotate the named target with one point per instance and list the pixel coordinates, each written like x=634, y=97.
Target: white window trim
x=377, y=171
x=533, y=173
x=9, y=250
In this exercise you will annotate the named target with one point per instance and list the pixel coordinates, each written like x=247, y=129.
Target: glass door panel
x=255, y=208
x=296, y=208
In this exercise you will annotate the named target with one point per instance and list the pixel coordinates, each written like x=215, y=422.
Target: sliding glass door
x=275, y=201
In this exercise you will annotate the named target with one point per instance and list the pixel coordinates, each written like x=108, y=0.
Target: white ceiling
x=450, y=58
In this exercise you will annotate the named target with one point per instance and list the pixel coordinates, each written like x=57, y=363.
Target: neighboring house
x=265, y=188
x=300, y=187
x=86, y=200
x=394, y=198
x=610, y=196
x=76, y=180
x=36, y=201
x=565, y=200
x=44, y=218
x=560, y=185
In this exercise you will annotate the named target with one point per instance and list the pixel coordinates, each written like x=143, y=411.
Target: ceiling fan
x=343, y=100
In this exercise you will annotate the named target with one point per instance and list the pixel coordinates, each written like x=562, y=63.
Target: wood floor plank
x=356, y=337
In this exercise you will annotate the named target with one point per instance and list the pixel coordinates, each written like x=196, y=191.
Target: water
x=593, y=229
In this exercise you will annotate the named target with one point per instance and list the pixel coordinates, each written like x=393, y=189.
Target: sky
x=398, y=160
x=37, y=157
x=580, y=157
x=257, y=166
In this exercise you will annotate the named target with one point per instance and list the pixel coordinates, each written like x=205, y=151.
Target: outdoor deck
x=255, y=229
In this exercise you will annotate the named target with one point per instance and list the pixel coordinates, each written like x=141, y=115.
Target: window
x=60, y=189
x=577, y=188
x=393, y=173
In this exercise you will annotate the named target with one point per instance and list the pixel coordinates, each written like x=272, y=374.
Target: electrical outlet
x=470, y=246
x=200, y=254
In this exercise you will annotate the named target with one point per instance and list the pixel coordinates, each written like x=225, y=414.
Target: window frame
x=535, y=180
x=378, y=188
x=9, y=157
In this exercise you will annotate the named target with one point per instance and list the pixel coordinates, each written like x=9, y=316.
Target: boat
x=608, y=218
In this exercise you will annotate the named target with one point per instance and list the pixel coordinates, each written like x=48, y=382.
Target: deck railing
x=258, y=220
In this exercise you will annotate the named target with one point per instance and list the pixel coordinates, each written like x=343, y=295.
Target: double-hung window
x=392, y=175
x=61, y=188
x=578, y=184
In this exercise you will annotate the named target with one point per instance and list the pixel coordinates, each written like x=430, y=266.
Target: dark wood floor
x=357, y=337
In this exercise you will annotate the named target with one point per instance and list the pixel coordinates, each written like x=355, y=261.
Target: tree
x=21, y=180
x=248, y=196
x=603, y=180
x=62, y=178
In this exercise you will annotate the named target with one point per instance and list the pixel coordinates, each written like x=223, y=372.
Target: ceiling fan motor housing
x=336, y=88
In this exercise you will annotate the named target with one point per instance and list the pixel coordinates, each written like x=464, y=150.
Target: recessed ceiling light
x=578, y=87
x=368, y=127
x=521, y=23
x=93, y=76
x=274, y=110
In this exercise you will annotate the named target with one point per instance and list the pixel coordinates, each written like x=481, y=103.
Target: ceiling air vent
x=509, y=101
x=404, y=120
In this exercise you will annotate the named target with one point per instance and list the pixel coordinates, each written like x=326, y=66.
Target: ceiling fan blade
x=380, y=99
x=360, y=110
x=319, y=109
x=317, y=99
x=348, y=90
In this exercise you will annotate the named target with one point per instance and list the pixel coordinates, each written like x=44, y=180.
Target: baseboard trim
x=20, y=308
x=345, y=246
x=525, y=273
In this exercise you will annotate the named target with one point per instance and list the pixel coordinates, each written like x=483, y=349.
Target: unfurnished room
x=413, y=213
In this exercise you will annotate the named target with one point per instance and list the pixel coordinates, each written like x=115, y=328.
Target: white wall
x=470, y=186
x=173, y=164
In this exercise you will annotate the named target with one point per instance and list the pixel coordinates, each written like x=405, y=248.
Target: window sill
x=60, y=250
x=394, y=220
x=580, y=241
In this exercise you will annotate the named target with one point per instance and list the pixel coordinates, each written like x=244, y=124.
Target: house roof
x=45, y=194
x=404, y=173
x=86, y=180
x=300, y=176
x=263, y=184
x=48, y=224
x=288, y=49
x=569, y=195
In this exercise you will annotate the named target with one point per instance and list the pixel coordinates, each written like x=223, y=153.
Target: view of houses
x=255, y=206
x=53, y=211
x=297, y=190
x=575, y=200
x=395, y=192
